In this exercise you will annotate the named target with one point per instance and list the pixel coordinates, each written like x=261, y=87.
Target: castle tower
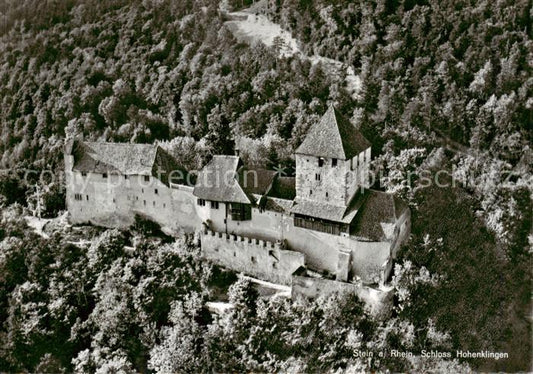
x=332, y=162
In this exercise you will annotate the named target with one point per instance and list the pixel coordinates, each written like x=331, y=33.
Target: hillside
x=440, y=88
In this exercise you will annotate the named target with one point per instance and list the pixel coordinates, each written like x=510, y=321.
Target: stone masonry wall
x=258, y=258
x=114, y=201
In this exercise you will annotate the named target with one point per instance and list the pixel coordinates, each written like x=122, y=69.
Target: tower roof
x=333, y=137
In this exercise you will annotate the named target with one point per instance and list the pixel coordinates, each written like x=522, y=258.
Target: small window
x=310, y=192
x=153, y=203
x=156, y=192
x=200, y=202
x=320, y=162
x=83, y=174
x=253, y=260
x=126, y=177
x=104, y=175
x=214, y=204
x=317, y=177
x=144, y=202
x=147, y=178
x=87, y=197
x=137, y=198
x=142, y=190
x=327, y=194
x=164, y=205
x=114, y=200
x=334, y=162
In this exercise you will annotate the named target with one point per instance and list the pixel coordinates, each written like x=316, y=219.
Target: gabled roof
x=125, y=159
x=218, y=181
x=333, y=137
x=377, y=217
x=256, y=181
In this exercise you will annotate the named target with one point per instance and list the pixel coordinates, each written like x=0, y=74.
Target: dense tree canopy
x=446, y=86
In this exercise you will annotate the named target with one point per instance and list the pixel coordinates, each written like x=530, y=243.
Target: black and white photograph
x=266, y=186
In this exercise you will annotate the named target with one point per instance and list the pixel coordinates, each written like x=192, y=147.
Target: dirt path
x=250, y=26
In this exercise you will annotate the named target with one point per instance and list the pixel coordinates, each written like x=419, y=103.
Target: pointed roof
x=333, y=137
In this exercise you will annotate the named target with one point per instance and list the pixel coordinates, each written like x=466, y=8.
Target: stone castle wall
x=114, y=201
x=337, y=184
x=259, y=258
x=330, y=188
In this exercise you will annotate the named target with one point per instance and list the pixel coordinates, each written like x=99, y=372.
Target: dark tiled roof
x=256, y=181
x=377, y=217
x=284, y=188
x=319, y=210
x=333, y=137
x=278, y=205
x=327, y=211
x=125, y=159
x=218, y=181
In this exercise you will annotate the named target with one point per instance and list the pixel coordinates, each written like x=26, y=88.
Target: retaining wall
x=377, y=301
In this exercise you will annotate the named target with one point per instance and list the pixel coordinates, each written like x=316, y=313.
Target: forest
x=446, y=85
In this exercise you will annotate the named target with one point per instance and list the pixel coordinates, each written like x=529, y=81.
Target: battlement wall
x=259, y=258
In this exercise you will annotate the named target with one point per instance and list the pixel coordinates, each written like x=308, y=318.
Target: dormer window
x=320, y=162
x=334, y=162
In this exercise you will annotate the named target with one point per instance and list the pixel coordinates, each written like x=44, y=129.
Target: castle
x=325, y=221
